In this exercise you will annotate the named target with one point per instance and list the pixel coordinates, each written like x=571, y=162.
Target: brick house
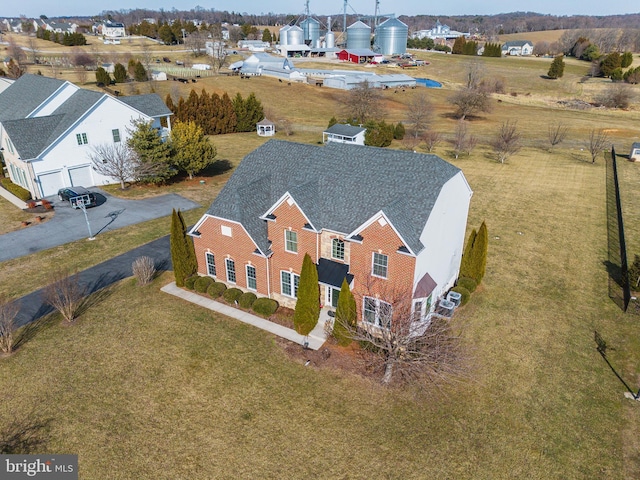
x=386, y=220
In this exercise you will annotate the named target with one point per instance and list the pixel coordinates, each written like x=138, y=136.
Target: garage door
x=50, y=183
x=81, y=176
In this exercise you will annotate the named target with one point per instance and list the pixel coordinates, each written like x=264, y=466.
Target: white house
x=344, y=133
x=56, y=27
x=517, y=48
x=12, y=25
x=109, y=29
x=48, y=128
x=439, y=32
x=634, y=155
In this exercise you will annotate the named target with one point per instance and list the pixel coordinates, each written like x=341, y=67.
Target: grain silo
x=284, y=35
x=311, y=30
x=295, y=36
x=359, y=36
x=391, y=37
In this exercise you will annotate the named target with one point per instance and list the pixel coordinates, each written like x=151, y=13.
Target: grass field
x=145, y=386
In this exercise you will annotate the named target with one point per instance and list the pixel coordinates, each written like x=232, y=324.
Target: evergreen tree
x=102, y=77
x=346, y=315
x=458, y=46
x=139, y=73
x=626, y=59
x=253, y=113
x=169, y=103
x=154, y=154
x=266, y=35
x=466, y=263
x=332, y=122
x=470, y=48
x=192, y=151
x=378, y=134
x=119, y=73
x=556, y=70
x=180, y=251
x=131, y=66
x=399, y=131
x=307, y=310
x=480, y=246
x=227, y=120
x=610, y=63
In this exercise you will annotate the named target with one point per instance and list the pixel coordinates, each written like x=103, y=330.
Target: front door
x=332, y=296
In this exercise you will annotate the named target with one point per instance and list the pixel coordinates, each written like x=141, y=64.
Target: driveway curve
x=69, y=225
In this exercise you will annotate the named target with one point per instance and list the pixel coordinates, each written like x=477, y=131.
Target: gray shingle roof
x=338, y=187
x=25, y=95
x=344, y=130
x=150, y=104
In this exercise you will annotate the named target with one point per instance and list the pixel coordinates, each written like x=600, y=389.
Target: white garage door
x=50, y=183
x=81, y=176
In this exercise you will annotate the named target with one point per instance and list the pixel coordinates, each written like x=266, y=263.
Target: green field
x=146, y=386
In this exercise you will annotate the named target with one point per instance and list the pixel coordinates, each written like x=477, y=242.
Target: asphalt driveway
x=68, y=224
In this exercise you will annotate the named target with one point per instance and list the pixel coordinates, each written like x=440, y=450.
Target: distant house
x=56, y=27
x=517, y=48
x=344, y=133
x=13, y=25
x=390, y=222
x=109, y=29
x=266, y=128
x=439, y=32
x=48, y=128
x=634, y=155
x=254, y=45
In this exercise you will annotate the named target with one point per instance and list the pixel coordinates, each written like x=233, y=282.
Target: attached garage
x=50, y=183
x=81, y=176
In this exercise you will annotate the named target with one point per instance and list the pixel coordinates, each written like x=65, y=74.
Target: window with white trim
x=211, y=263
x=376, y=312
x=380, y=264
x=291, y=241
x=289, y=284
x=252, y=280
x=417, y=310
x=337, y=249
x=9, y=145
x=231, y=270
x=116, y=135
x=81, y=138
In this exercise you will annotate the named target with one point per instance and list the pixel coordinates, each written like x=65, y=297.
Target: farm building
x=360, y=55
x=344, y=133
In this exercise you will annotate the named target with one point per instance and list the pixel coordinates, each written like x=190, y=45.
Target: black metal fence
x=617, y=267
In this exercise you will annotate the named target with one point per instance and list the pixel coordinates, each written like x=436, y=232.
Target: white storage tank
x=358, y=36
x=330, y=40
x=391, y=37
x=295, y=36
x=311, y=29
x=284, y=35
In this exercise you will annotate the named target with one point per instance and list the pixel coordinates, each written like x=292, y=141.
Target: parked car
x=77, y=196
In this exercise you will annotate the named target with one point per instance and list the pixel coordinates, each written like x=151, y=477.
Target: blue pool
x=427, y=82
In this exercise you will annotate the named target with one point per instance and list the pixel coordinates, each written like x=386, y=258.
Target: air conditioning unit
x=455, y=298
x=445, y=308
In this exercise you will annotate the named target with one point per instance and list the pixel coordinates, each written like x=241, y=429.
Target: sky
x=35, y=8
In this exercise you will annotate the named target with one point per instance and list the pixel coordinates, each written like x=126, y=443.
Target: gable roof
x=338, y=187
x=25, y=95
x=516, y=43
x=150, y=104
x=345, y=130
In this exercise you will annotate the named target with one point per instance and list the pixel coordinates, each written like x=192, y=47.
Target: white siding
x=57, y=99
x=443, y=236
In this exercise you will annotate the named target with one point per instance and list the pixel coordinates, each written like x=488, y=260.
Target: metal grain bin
x=330, y=40
x=359, y=36
x=311, y=29
x=391, y=37
x=284, y=35
x=295, y=36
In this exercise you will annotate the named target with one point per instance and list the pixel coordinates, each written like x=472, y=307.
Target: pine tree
x=346, y=315
x=191, y=262
x=466, y=263
x=119, y=73
x=192, y=151
x=152, y=151
x=178, y=249
x=480, y=246
x=399, y=131
x=102, y=77
x=169, y=103
x=307, y=310
x=458, y=46
x=332, y=122
x=227, y=120
x=556, y=70
x=139, y=73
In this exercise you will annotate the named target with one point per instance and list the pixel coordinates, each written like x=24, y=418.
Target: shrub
x=47, y=204
x=144, y=269
x=232, y=295
x=265, y=306
x=22, y=193
x=247, y=299
x=464, y=292
x=190, y=282
x=216, y=289
x=202, y=283
x=468, y=283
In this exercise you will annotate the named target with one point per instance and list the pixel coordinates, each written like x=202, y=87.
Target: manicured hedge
x=191, y=281
x=466, y=295
x=247, y=299
x=216, y=289
x=231, y=295
x=202, y=283
x=265, y=306
x=468, y=283
x=17, y=190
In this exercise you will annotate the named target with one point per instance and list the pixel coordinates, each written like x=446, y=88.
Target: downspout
x=268, y=278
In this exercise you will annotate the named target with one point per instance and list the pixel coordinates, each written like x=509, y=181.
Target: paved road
x=33, y=306
x=68, y=224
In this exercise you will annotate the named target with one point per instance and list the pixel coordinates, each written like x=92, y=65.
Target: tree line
x=66, y=39
x=217, y=114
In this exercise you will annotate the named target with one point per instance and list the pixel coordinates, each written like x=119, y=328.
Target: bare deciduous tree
x=473, y=75
x=598, y=140
x=363, y=103
x=196, y=43
x=419, y=114
x=507, y=141
x=65, y=294
x=409, y=349
x=432, y=139
x=15, y=51
x=33, y=50
x=8, y=312
x=556, y=133
x=115, y=160
x=469, y=101
x=143, y=269
x=617, y=95
x=218, y=58
x=462, y=142
x=147, y=55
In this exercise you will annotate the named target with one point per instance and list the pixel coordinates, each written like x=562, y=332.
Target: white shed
x=266, y=128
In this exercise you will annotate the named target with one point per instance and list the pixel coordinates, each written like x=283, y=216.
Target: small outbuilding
x=344, y=133
x=158, y=76
x=266, y=128
x=634, y=155
x=357, y=55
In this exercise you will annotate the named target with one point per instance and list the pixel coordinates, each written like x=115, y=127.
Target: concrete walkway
x=316, y=338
